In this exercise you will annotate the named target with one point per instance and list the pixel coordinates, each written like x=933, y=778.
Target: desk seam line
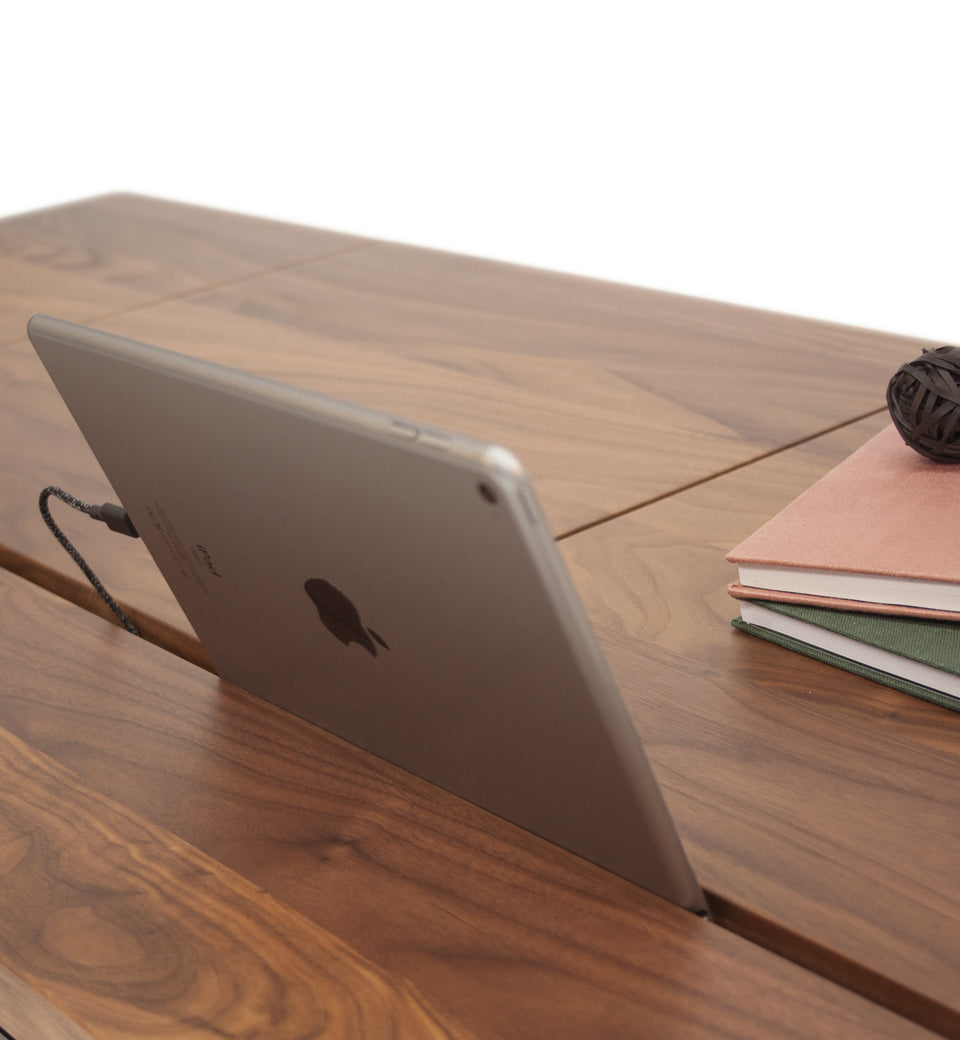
x=208, y=287
x=672, y=492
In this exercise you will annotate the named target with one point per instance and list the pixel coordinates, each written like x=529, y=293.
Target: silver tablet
x=395, y=584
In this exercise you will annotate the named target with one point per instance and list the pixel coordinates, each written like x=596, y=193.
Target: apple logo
x=340, y=617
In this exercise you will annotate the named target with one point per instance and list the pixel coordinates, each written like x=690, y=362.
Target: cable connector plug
x=115, y=517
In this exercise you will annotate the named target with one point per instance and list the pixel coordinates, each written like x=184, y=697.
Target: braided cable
x=90, y=510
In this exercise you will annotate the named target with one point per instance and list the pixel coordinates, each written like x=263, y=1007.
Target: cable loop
x=90, y=510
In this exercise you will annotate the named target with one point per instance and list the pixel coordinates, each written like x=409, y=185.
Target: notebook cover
x=768, y=596
x=883, y=510
x=885, y=678
x=932, y=643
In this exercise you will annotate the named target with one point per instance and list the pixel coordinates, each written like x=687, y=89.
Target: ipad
x=390, y=582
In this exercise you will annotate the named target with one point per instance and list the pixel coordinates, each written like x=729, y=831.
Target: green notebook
x=914, y=655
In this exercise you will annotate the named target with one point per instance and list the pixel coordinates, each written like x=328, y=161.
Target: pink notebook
x=878, y=532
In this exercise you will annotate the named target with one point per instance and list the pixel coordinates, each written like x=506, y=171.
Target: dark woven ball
x=924, y=401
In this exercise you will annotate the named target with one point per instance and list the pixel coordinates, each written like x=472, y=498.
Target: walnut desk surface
x=180, y=859
x=819, y=810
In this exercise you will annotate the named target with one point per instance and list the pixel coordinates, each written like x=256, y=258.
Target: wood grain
x=804, y=794
x=26, y=287
x=613, y=396
x=497, y=931
x=25, y=1015
x=97, y=256
x=177, y=639
x=133, y=933
x=822, y=803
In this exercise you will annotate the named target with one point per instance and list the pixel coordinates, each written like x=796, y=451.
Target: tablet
x=390, y=582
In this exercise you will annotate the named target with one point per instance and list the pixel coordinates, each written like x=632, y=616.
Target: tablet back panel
x=395, y=585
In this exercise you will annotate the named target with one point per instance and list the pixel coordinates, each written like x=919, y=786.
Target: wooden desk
x=642, y=417
x=182, y=859
x=821, y=808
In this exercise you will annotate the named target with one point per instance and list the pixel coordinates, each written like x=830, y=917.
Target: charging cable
x=115, y=517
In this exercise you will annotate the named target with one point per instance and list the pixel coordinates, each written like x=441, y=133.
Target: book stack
x=863, y=571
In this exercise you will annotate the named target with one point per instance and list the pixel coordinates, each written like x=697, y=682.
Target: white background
x=801, y=157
